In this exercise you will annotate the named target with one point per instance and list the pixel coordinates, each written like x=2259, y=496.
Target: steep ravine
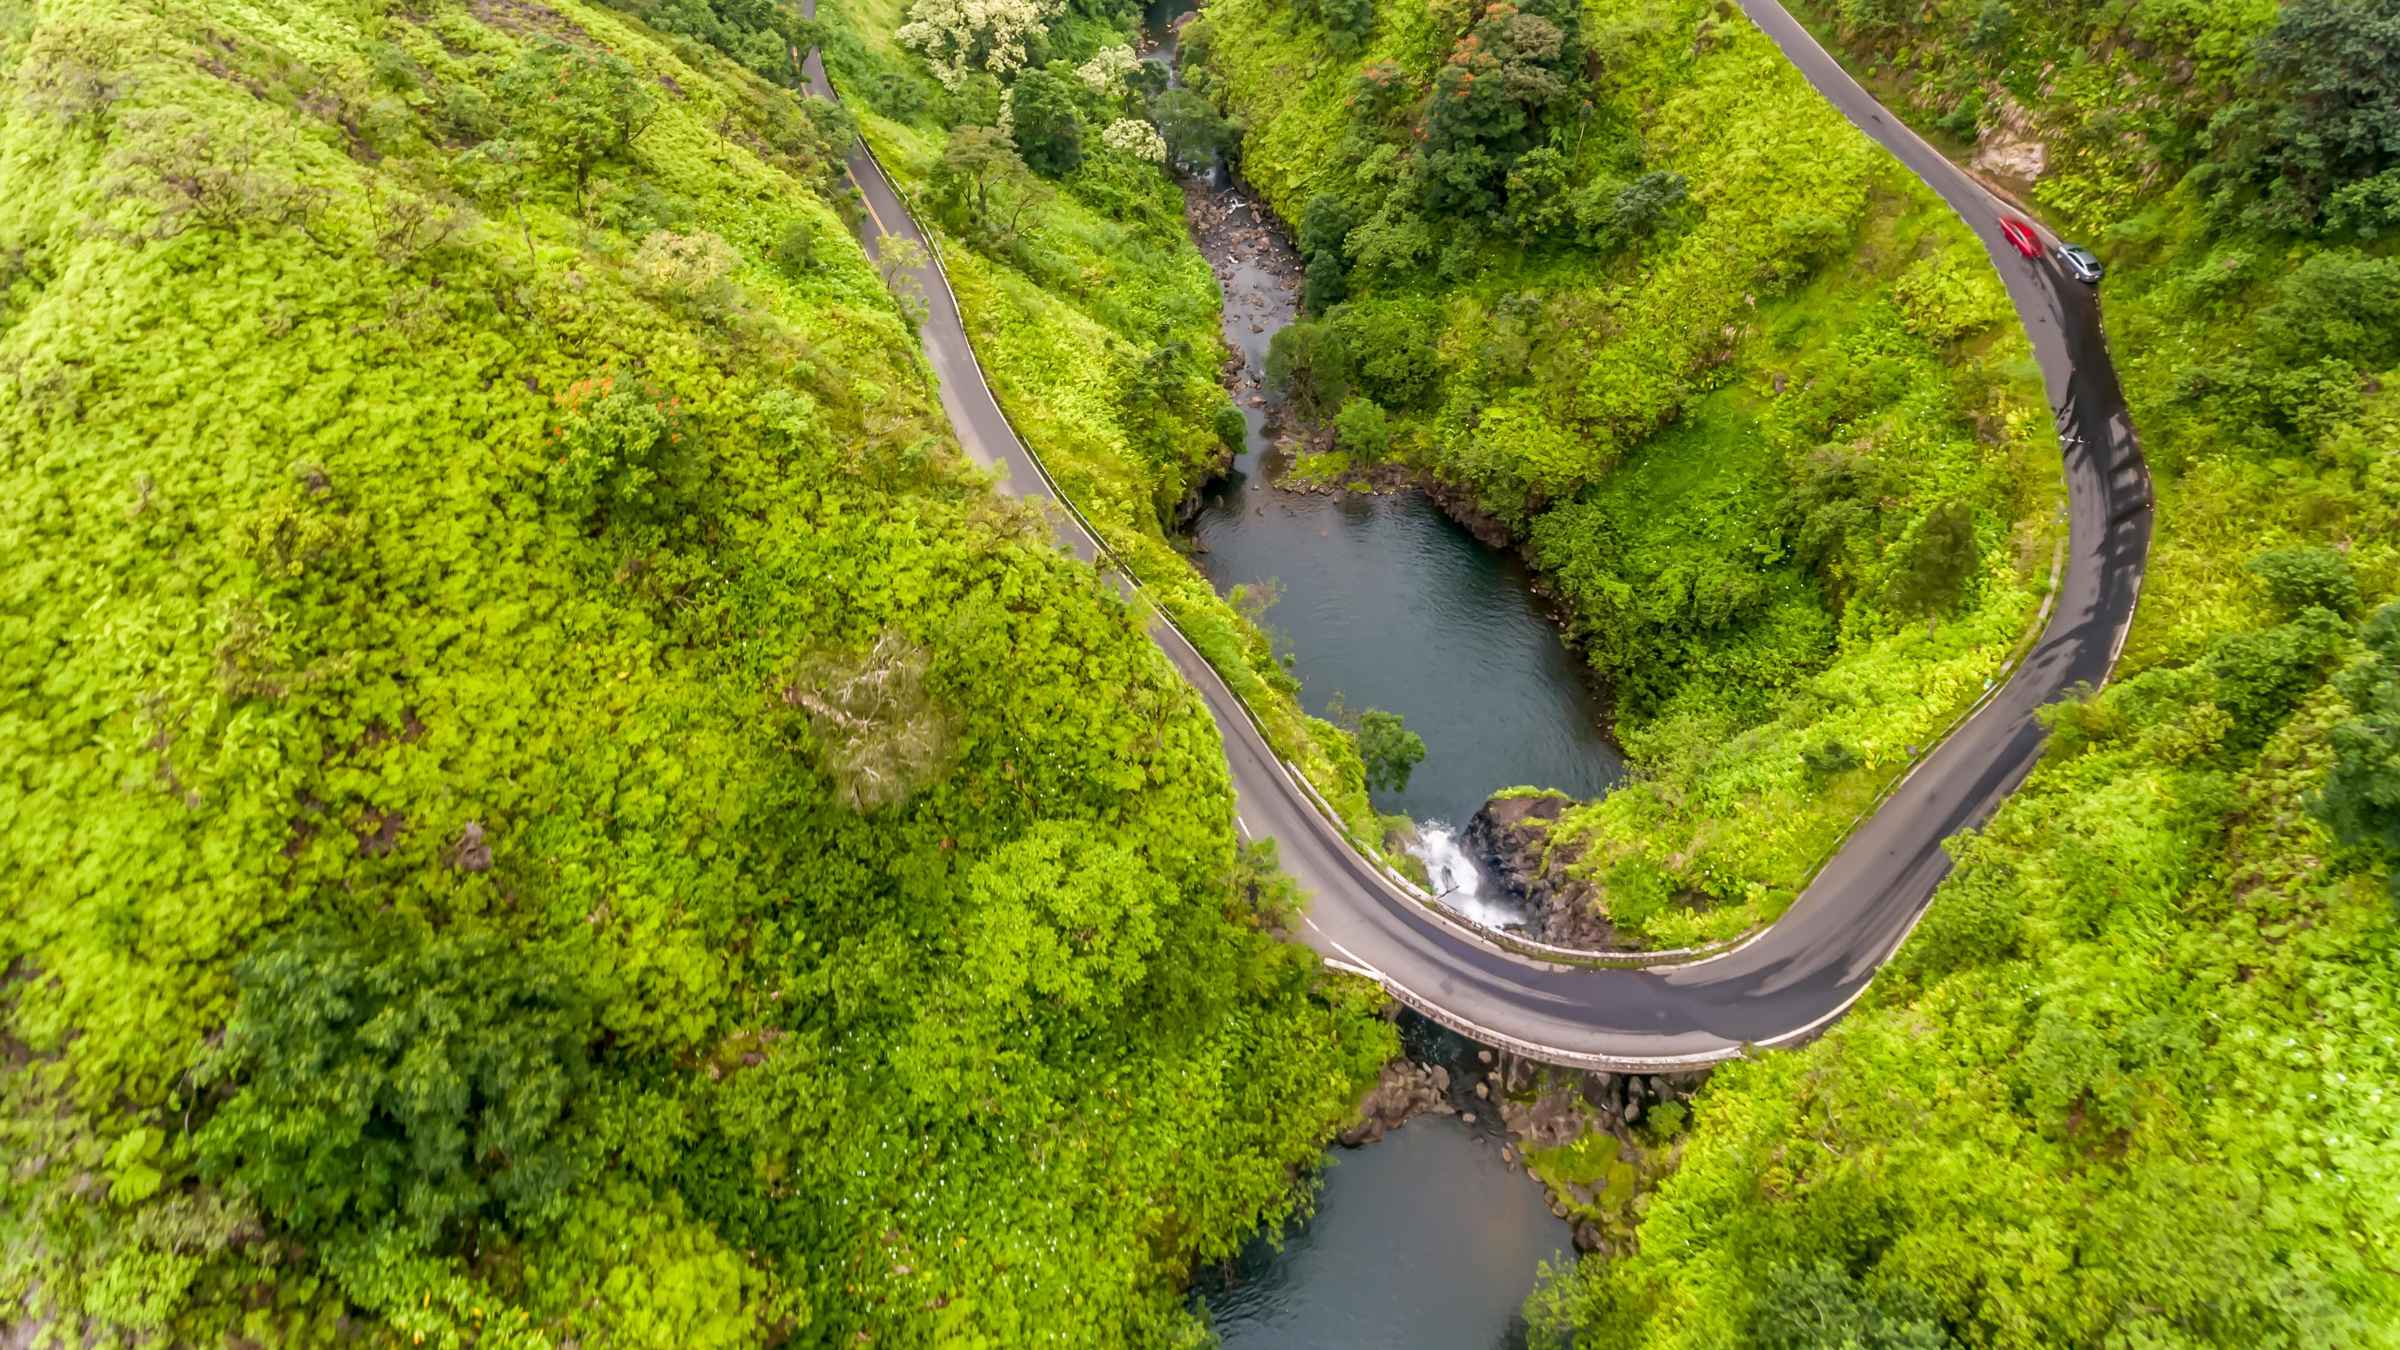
x=1383, y=600
x=1429, y=1227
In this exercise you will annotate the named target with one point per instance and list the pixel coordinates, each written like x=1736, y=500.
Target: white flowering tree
x=1135, y=137
x=1108, y=68
x=959, y=36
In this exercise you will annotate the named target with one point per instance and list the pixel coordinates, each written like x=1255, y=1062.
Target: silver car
x=2080, y=263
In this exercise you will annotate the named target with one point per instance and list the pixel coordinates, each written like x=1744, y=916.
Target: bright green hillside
x=517, y=832
x=2130, y=1081
x=1092, y=314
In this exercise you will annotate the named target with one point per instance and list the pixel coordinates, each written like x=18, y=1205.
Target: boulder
x=1402, y=1090
x=1555, y=1118
x=1510, y=836
x=2010, y=148
x=1520, y=1074
x=471, y=853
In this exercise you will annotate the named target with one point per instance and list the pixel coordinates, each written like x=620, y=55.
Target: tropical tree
x=577, y=108
x=1934, y=564
x=1391, y=751
x=958, y=37
x=882, y=731
x=1195, y=134
x=983, y=179
x=1502, y=76
x=392, y=1082
x=1309, y=363
x=2329, y=131
x=1044, y=120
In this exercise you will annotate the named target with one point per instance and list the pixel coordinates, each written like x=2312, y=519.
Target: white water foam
x=1457, y=881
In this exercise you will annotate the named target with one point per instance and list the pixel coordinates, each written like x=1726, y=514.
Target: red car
x=2021, y=237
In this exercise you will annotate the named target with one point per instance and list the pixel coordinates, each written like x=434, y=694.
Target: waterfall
x=1457, y=880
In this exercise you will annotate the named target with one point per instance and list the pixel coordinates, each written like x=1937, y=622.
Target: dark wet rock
x=1510, y=836
x=1404, y=1089
x=1196, y=499
x=1460, y=505
x=1554, y=1118
x=1589, y=1237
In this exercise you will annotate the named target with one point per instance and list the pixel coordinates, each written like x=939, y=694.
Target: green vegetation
x=2128, y=1081
x=549, y=803
x=1748, y=394
x=2362, y=789
x=1094, y=317
x=1391, y=750
x=1600, y=1177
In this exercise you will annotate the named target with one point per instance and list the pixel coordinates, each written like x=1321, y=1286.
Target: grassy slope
x=2127, y=1080
x=1115, y=283
x=296, y=598
x=1765, y=347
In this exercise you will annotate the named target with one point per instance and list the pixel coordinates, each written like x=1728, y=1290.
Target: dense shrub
x=1045, y=123
x=2362, y=792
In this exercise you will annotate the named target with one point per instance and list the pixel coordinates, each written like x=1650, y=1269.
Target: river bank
x=1385, y=599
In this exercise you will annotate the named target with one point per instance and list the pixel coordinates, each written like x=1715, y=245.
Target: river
x=1385, y=602
x=1424, y=1241
x=1427, y=1240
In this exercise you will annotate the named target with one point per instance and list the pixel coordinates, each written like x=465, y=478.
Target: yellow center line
x=882, y=230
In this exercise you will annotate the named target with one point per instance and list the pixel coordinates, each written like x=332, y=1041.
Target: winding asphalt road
x=1807, y=969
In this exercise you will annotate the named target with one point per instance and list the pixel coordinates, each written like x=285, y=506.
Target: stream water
x=1424, y=1241
x=1427, y=1240
x=1385, y=602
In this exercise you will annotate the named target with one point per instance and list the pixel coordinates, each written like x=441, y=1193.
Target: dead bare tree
x=884, y=733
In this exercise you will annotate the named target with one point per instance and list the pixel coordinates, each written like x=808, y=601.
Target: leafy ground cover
x=1745, y=392
x=519, y=833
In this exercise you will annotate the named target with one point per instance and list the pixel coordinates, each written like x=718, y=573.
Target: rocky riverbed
x=1580, y=1135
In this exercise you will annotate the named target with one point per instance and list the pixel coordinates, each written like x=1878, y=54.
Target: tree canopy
x=1391, y=751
